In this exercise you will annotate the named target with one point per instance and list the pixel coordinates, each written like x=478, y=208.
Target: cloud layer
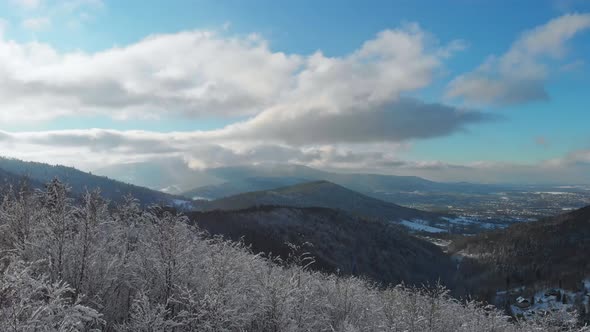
x=356, y=111
x=301, y=108
x=395, y=121
x=198, y=73
x=519, y=75
x=190, y=74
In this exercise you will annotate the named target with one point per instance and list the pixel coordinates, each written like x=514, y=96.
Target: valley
x=489, y=205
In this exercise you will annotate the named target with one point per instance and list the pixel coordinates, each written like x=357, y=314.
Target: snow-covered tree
x=31, y=302
x=79, y=265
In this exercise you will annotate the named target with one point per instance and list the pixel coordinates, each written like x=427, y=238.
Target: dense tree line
x=340, y=242
x=544, y=254
x=69, y=266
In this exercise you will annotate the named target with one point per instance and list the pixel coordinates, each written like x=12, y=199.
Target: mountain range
x=345, y=231
x=10, y=179
x=318, y=194
x=212, y=183
x=357, y=234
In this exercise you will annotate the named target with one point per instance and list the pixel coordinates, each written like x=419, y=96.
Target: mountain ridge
x=218, y=182
x=550, y=251
x=79, y=181
x=320, y=193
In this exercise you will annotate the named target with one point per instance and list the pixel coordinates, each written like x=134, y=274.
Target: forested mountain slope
x=338, y=241
x=549, y=252
x=240, y=179
x=7, y=178
x=79, y=181
x=240, y=186
x=319, y=194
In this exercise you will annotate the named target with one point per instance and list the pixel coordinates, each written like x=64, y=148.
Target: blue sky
x=527, y=99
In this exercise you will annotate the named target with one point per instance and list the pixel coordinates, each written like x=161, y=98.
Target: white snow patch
x=464, y=221
x=545, y=303
x=172, y=189
x=553, y=192
x=419, y=227
x=201, y=198
x=459, y=220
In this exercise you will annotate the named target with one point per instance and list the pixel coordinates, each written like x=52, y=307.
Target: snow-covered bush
x=29, y=301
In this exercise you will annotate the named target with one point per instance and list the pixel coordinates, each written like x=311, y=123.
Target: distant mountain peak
x=319, y=193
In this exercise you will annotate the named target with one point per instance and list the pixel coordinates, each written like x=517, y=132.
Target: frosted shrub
x=31, y=302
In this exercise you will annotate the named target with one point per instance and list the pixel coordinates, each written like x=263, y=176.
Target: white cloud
x=110, y=146
x=198, y=73
x=311, y=109
x=28, y=4
x=349, y=111
x=544, y=172
x=41, y=14
x=189, y=74
x=292, y=99
x=105, y=147
x=36, y=23
x=102, y=146
x=519, y=75
x=575, y=158
x=396, y=121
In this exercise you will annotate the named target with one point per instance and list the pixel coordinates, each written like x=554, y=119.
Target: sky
x=465, y=90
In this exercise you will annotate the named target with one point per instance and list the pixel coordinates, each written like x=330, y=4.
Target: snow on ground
x=545, y=303
x=439, y=242
x=201, y=198
x=464, y=221
x=459, y=220
x=444, y=226
x=420, y=227
x=553, y=193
